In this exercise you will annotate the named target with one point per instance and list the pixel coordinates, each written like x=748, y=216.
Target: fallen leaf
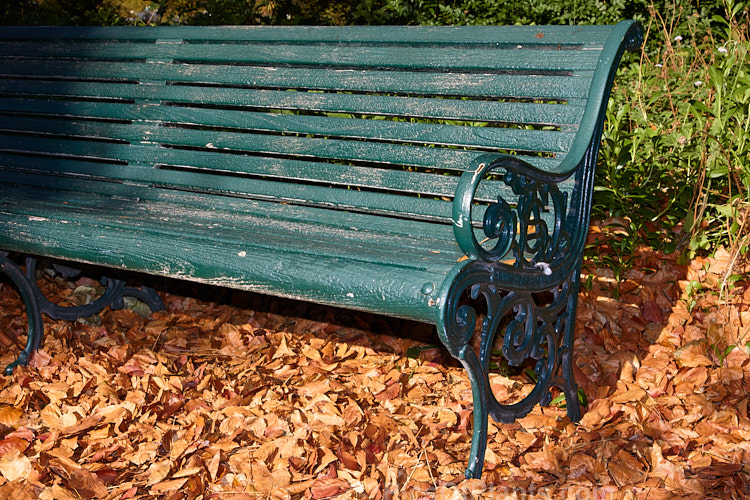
x=87, y=484
x=14, y=466
x=328, y=487
x=692, y=355
x=652, y=312
x=168, y=486
x=11, y=443
x=10, y=415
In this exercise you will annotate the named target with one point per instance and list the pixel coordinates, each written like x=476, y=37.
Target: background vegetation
x=675, y=170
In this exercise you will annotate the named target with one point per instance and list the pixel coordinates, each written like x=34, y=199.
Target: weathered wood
x=381, y=105
x=419, y=35
x=486, y=86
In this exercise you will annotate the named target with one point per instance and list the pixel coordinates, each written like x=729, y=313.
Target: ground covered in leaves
x=245, y=397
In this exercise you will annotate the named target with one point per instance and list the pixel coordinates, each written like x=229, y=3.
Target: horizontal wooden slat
x=391, y=136
x=444, y=59
x=288, y=146
x=88, y=192
x=399, y=82
x=392, y=180
x=230, y=228
x=409, y=107
x=474, y=35
x=341, y=198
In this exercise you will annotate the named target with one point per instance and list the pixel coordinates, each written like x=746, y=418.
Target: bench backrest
x=387, y=117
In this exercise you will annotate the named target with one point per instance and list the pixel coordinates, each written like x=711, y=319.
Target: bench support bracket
x=521, y=291
x=534, y=325
x=36, y=303
x=33, y=311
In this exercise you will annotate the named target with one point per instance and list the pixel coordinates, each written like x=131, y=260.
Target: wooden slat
x=87, y=192
x=304, y=171
x=348, y=176
x=302, y=194
x=474, y=35
x=228, y=228
x=399, y=82
x=410, y=107
x=444, y=59
x=287, y=146
x=390, y=134
x=375, y=287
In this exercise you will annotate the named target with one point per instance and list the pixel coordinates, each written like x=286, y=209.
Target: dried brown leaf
x=625, y=469
x=12, y=443
x=14, y=466
x=283, y=349
x=10, y=415
x=87, y=484
x=632, y=395
x=328, y=487
x=719, y=470
x=20, y=491
x=652, y=312
x=168, y=486
x=693, y=354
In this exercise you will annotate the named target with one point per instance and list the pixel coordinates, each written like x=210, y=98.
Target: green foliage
x=58, y=12
x=676, y=155
x=474, y=12
x=180, y=12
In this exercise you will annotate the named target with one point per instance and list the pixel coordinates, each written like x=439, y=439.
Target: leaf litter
x=217, y=399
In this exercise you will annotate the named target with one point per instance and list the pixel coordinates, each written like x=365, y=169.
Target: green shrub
x=676, y=155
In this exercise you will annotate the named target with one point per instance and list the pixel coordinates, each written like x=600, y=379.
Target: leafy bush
x=676, y=159
x=474, y=12
x=182, y=12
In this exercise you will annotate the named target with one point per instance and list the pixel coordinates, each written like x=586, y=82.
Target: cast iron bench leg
x=112, y=296
x=36, y=303
x=540, y=332
x=33, y=312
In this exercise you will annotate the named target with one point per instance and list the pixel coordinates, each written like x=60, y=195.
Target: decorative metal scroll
x=115, y=291
x=530, y=328
x=36, y=303
x=521, y=290
x=526, y=239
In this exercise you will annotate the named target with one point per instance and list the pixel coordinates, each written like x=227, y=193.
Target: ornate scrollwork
x=33, y=311
x=532, y=328
x=36, y=303
x=531, y=236
x=114, y=292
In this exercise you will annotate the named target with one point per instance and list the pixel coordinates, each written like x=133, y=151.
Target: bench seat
x=439, y=174
x=359, y=261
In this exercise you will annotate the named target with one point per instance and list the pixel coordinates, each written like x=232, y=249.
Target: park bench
x=438, y=174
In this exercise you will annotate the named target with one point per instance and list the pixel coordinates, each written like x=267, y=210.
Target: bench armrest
x=520, y=229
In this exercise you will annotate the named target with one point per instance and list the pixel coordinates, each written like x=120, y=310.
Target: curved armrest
x=533, y=187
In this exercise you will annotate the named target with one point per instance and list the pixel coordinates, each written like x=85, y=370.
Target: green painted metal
x=407, y=171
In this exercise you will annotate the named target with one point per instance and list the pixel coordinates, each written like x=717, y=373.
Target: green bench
x=442, y=174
